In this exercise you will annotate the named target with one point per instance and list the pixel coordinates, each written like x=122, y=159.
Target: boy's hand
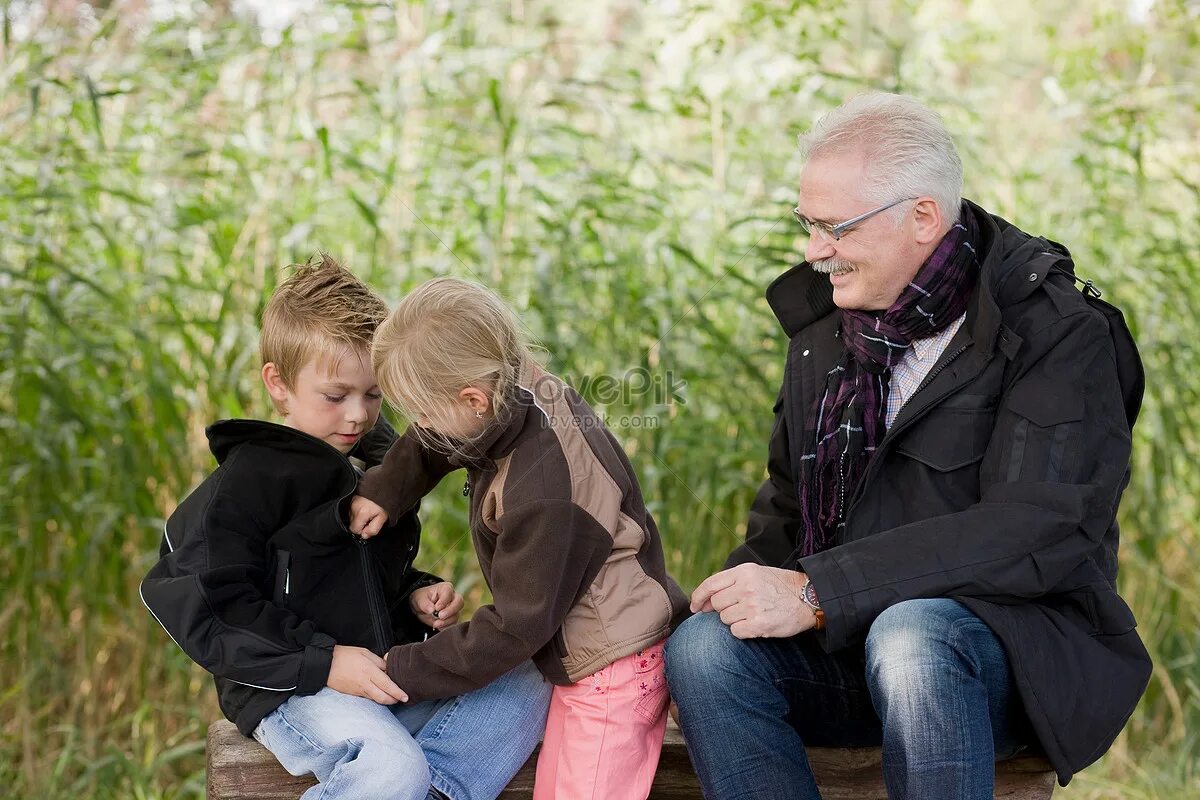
x=358, y=671
x=437, y=606
x=366, y=518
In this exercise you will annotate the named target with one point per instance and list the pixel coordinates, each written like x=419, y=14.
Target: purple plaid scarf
x=847, y=421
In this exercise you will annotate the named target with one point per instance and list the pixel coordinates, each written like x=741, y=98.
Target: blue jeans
x=931, y=685
x=465, y=747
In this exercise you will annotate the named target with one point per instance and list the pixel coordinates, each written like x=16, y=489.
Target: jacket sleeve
x=1050, y=479
x=547, y=553
x=407, y=627
x=409, y=472
x=206, y=591
x=774, y=524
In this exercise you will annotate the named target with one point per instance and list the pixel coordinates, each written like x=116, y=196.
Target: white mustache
x=828, y=266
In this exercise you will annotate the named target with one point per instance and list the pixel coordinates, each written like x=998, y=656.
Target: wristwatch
x=808, y=594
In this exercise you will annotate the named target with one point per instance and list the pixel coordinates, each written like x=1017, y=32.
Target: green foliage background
x=622, y=172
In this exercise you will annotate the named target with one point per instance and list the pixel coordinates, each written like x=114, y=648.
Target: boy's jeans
x=466, y=747
x=932, y=685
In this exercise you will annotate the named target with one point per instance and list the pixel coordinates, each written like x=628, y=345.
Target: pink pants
x=604, y=734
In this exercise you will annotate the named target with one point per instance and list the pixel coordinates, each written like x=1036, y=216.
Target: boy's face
x=336, y=406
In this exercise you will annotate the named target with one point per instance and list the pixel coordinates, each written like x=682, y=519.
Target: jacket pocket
x=1043, y=439
x=949, y=438
x=283, y=578
x=558, y=645
x=1044, y=404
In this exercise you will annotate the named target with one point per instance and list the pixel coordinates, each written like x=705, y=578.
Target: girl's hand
x=366, y=518
x=437, y=606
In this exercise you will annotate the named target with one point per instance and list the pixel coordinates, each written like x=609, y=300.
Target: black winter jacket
x=259, y=576
x=997, y=485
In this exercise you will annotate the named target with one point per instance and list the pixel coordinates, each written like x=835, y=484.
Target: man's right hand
x=358, y=671
x=756, y=601
x=366, y=517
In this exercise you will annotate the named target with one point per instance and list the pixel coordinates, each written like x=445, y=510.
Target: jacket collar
x=500, y=437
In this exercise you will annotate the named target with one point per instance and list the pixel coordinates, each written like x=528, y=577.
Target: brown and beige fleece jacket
x=573, y=559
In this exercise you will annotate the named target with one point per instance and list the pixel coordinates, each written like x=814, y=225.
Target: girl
x=572, y=557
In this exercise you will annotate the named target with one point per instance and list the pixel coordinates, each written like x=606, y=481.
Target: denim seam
x=449, y=715
x=325, y=785
x=603, y=733
x=438, y=781
x=284, y=719
x=957, y=633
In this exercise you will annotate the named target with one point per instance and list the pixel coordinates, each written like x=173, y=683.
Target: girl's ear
x=477, y=400
x=276, y=387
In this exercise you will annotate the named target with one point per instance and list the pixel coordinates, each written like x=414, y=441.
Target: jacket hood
x=224, y=435
x=1013, y=265
x=1021, y=262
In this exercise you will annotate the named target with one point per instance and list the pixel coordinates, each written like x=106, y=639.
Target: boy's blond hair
x=315, y=315
x=446, y=335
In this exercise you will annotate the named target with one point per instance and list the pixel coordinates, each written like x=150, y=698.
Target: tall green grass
x=623, y=173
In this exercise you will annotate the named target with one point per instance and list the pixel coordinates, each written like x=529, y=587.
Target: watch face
x=809, y=593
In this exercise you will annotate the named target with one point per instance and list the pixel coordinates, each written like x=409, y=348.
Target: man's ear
x=927, y=221
x=276, y=387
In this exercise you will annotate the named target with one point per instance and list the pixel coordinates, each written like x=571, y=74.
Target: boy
x=262, y=584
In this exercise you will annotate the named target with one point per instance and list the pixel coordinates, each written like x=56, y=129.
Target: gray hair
x=907, y=149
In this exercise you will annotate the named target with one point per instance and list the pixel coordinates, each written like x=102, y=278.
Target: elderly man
x=931, y=563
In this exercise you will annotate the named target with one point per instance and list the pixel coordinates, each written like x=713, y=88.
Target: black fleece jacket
x=259, y=576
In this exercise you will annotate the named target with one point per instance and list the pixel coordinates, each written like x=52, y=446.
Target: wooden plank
x=674, y=780
x=242, y=769
x=854, y=773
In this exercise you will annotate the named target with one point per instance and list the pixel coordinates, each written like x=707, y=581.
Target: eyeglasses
x=812, y=227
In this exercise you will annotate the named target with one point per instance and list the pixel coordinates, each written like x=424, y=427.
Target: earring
x=479, y=415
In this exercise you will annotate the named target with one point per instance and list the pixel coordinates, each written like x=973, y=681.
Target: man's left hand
x=756, y=601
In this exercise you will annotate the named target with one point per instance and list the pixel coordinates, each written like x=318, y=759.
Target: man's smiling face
x=872, y=262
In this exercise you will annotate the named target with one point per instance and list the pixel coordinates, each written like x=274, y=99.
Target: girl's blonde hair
x=447, y=335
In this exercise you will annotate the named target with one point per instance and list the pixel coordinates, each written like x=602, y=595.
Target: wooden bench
x=242, y=769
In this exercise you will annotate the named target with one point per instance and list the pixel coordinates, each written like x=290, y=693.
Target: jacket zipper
x=374, y=606
x=283, y=577
x=932, y=374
